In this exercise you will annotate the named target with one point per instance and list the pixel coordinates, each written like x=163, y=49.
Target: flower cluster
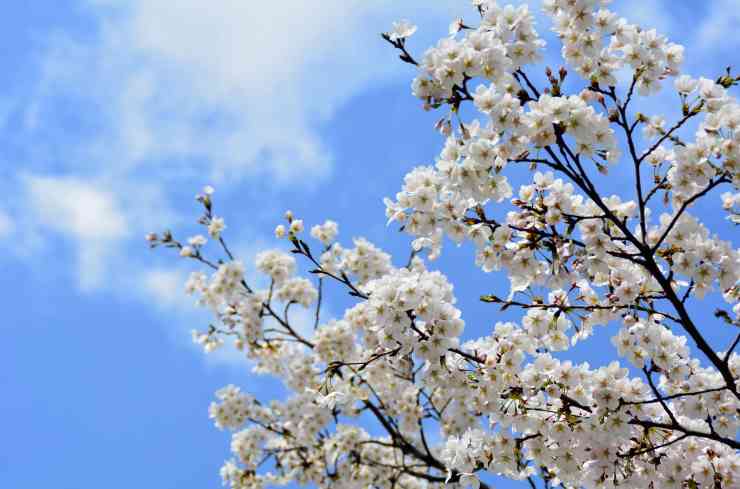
x=326, y=233
x=279, y=266
x=233, y=410
x=365, y=261
x=583, y=31
x=505, y=40
x=298, y=290
x=415, y=310
x=509, y=402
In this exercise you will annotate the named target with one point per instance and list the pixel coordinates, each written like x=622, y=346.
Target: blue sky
x=114, y=114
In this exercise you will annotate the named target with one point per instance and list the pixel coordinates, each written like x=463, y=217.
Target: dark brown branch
x=674, y=396
x=683, y=207
x=669, y=426
x=731, y=349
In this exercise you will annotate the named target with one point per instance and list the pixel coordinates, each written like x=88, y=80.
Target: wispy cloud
x=717, y=29
x=7, y=225
x=223, y=88
x=95, y=216
x=646, y=14
x=165, y=286
x=77, y=210
x=163, y=93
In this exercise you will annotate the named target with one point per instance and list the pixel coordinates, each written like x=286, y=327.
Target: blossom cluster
x=508, y=402
x=583, y=31
x=505, y=40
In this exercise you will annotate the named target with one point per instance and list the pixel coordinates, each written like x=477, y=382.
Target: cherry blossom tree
x=370, y=390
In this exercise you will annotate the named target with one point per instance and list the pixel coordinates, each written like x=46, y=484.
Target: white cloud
x=90, y=217
x=97, y=217
x=76, y=208
x=718, y=29
x=226, y=87
x=7, y=224
x=165, y=287
x=647, y=14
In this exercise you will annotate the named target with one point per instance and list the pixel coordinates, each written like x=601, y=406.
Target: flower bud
x=296, y=226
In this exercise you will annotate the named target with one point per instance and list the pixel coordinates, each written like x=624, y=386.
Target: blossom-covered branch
x=388, y=394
